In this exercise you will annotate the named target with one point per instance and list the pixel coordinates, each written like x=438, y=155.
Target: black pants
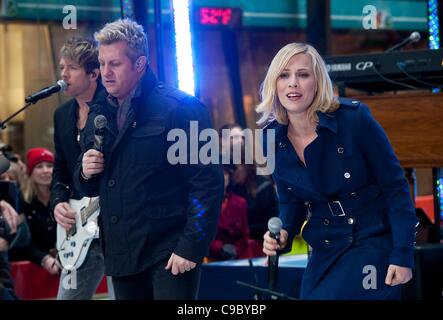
x=156, y=283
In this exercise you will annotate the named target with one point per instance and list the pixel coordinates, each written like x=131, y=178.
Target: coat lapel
x=70, y=128
x=288, y=160
x=321, y=158
x=129, y=122
x=148, y=83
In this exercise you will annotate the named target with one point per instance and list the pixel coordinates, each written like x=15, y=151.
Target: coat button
x=347, y=175
x=161, y=85
x=327, y=242
x=354, y=102
x=350, y=221
x=326, y=222
x=289, y=189
x=350, y=238
x=111, y=183
x=353, y=194
x=281, y=144
x=341, y=150
x=114, y=219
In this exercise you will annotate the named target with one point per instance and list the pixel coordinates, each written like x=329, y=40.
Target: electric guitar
x=73, y=245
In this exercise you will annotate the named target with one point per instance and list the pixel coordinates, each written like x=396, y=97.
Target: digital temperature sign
x=218, y=17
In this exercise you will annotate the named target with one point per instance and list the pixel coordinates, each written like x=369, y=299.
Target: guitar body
x=73, y=245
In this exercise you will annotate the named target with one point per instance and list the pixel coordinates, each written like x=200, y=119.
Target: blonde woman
x=336, y=168
x=35, y=205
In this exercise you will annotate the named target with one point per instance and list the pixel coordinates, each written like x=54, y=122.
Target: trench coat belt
x=342, y=207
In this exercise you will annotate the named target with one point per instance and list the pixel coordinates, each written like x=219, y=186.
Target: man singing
x=79, y=68
x=158, y=219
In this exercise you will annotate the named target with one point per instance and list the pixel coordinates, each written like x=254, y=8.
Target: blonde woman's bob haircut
x=324, y=100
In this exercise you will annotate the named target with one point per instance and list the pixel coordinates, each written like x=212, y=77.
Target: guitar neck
x=89, y=210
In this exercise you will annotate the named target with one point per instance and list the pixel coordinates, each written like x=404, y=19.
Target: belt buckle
x=336, y=204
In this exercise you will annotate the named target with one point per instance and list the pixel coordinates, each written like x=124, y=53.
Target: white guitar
x=73, y=245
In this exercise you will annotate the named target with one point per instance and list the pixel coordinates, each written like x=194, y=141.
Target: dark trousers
x=156, y=283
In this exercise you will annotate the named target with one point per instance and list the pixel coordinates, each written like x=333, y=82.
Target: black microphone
x=414, y=37
x=274, y=225
x=46, y=92
x=100, y=123
x=4, y=164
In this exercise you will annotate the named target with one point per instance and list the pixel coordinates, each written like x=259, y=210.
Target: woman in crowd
x=35, y=206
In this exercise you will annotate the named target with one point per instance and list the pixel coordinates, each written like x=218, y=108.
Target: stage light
x=433, y=24
x=183, y=46
x=127, y=9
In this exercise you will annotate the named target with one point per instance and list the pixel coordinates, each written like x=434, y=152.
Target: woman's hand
x=398, y=275
x=270, y=245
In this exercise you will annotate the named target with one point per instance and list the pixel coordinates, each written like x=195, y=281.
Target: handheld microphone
x=4, y=164
x=46, y=92
x=100, y=123
x=414, y=37
x=274, y=226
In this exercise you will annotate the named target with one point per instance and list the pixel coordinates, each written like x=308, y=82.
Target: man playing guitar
x=79, y=68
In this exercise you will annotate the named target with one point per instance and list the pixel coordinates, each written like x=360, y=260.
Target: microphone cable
x=402, y=66
x=392, y=81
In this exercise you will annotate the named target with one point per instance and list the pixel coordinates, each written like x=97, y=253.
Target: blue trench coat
x=356, y=200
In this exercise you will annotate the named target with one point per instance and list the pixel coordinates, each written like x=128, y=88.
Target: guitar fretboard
x=89, y=210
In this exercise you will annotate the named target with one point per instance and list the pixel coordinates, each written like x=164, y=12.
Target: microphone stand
x=44, y=93
x=3, y=123
x=273, y=271
x=272, y=293
x=256, y=295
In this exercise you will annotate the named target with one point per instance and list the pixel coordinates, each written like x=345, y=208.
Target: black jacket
x=43, y=233
x=150, y=208
x=67, y=149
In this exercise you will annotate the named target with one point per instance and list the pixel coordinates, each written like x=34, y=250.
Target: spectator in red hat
x=36, y=156
x=35, y=205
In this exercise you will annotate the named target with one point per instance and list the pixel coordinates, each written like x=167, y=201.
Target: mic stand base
x=275, y=295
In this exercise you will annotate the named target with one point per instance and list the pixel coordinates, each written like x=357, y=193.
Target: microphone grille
x=100, y=122
x=275, y=225
x=415, y=36
x=62, y=84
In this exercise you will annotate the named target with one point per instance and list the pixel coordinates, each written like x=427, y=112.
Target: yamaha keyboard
x=387, y=71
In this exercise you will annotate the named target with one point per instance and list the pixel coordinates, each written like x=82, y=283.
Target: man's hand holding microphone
x=93, y=161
